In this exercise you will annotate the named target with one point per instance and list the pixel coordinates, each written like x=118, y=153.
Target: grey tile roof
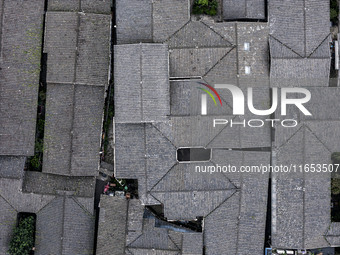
x=143, y=68
x=8, y=217
x=235, y=232
x=231, y=68
x=324, y=120
x=196, y=34
x=300, y=223
x=19, y=74
x=244, y=9
x=112, y=225
x=12, y=167
x=11, y=191
x=195, y=49
x=300, y=72
x=153, y=155
x=192, y=244
x=87, y=6
x=124, y=230
x=63, y=5
x=135, y=222
x=183, y=190
x=300, y=25
x=333, y=234
x=153, y=238
x=60, y=44
x=73, y=129
x=147, y=151
x=78, y=48
x=49, y=227
x=168, y=16
x=42, y=183
x=194, y=62
x=299, y=44
x=134, y=21
x=63, y=226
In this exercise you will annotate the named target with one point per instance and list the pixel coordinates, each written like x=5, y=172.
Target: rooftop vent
x=246, y=46
x=193, y=154
x=247, y=70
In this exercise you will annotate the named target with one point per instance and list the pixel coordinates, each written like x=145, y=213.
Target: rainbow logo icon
x=209, y=93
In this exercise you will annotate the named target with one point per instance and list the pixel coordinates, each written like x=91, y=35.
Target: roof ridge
x=173, y=241
x=219, y=61
x=189, y=21
x=289, y=138
x=151, y=190
x=152, y=124
x=217, y=134
x=310, y=55
x=235, y=187
x=217, y=33
x=317, y=138
x=283, y=44
x=8, y=203
x=236, y=191
x=81, y=205
x=55, y=197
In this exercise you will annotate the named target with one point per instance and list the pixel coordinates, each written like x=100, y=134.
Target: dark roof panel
x=12, y=167
x=134, y=21
x=73, y=129
x=78, y=48
x=112, y=225
x=143, y=69
x=19, y=74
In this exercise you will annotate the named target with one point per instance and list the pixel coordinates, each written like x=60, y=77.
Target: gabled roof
x=300, y=25
x=299, y=43
x=72, y=129
x=141, y=83
x=11, y=191
x=78, y=48
x=134, y=21
x=126, y=227
x=8, y=217
x=64, y=226
x=168, y=17
x=288, y=68
x=195, y=49
x=19, y=75
x=298, y=221
x=231, y=226
x=150, y=21
x=112, y=225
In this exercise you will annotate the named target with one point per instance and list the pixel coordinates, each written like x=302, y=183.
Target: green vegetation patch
x=23, y=237
x=208, y=7
x=334, y=11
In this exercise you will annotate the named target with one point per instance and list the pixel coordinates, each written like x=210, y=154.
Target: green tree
x=334, y=12
x=335, y=186
x=208, y=7
x=23, y=237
